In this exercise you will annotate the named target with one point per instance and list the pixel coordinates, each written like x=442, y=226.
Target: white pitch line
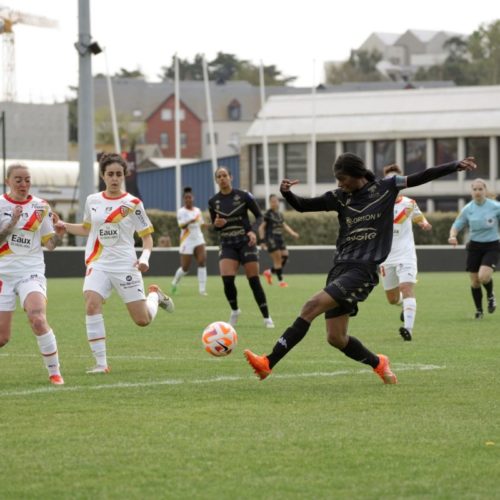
x=211, y=380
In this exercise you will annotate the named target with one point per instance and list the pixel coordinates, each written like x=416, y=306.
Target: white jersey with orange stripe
x=406, y=212
x=22, y=250
x=193, y=231
x=112, y=223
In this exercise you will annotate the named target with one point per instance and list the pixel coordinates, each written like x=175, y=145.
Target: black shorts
x=482, y=254
x=274, y=243
x=348, y=284
x=242, y=253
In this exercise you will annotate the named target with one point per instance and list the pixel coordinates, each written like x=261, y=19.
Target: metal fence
x=157, y=187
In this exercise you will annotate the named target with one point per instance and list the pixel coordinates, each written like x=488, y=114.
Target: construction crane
x=8, y=18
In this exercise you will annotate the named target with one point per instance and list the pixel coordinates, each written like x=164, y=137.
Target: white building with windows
x=415, y=128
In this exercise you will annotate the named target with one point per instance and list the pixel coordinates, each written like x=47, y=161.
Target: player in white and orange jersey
x=110, y=220
x=191, y=242
x=25, y=228
x=399, y=270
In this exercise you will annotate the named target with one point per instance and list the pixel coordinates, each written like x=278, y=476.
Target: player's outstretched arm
x=432, y=173
x=317, y=204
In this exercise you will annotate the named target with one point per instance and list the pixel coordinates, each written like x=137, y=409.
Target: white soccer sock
x=409, y=311
x=178, y=275
x=202, y=279
x=152, y=301
x=96, y=335
x=48, y=347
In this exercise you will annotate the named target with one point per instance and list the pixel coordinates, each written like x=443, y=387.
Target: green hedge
x=314, y=228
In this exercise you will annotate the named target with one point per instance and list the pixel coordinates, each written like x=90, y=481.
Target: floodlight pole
x=4, y=151
x=85, y=108
x=265, y=148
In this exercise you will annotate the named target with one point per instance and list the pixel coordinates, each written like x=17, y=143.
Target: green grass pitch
x=170, y=421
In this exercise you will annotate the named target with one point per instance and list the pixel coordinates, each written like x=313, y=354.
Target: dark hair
x=223, y=167
x=106, y=159
x=271, y=196
x=188, y=190
x=394, y=168
x=352, y=165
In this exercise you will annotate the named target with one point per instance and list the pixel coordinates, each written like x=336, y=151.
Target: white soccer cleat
x=164, y=301
x=268, y=322
x=203, y=293
x=233, y=318
x=98, y=369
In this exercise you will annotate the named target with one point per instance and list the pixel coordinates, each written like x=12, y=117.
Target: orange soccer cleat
x=164, y=301
x=269, y=276
x=56, y=380
x=384, y=371
x=260, y=364
x=283, y=284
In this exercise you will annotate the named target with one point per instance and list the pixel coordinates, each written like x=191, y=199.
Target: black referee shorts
x=243, y=253
x=482, y=254
x=348, y=284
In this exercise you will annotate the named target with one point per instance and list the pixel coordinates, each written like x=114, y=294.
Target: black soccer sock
x=284, y=258
x=292, y=336
x=259, y=295
x=273, y=270
x=357, y=351
x=230, y=291
x=279, y=273
x=477, y=295
x=489, y=288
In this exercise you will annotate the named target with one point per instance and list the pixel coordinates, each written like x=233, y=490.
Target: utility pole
x=85, y=107
x=4, y=150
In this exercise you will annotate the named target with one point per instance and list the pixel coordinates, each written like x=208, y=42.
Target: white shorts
x=129, y=285
x=394, y=274
x=188, y=245
x=22, y=286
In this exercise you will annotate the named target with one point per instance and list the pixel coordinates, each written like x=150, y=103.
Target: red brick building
x=160, y=129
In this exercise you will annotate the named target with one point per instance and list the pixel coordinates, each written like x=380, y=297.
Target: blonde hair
x=489, y=194
x=13, y=167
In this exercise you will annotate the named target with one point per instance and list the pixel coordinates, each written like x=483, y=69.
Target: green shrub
x=319, y=228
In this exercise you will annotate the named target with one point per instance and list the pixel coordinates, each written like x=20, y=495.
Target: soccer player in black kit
x=271, y=232
x=365, y=211
x=238, y=242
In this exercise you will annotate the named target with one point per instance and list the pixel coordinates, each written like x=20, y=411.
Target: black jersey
x=365, y=218
x=274, y=223
x=234, y=208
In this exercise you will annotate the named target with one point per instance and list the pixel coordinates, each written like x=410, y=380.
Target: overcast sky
x=289, y=33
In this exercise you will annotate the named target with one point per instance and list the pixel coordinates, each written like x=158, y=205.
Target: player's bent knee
x=38, y=322
x=311, y=309
x=4, y=341
x=142, y=321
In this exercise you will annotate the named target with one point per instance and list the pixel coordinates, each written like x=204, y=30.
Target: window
x=415, y=155
x=325, y=157
x=479, y=147
x=296, y=161
x=446, y=150
x=216, y=138
x=234, y=110
x=184, y=140
x=258, y=162
x=166, y=114
x=384, y=153
x=356, y=147
x=164, y=140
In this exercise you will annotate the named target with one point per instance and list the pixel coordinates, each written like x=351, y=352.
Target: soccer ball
x=219, y=338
